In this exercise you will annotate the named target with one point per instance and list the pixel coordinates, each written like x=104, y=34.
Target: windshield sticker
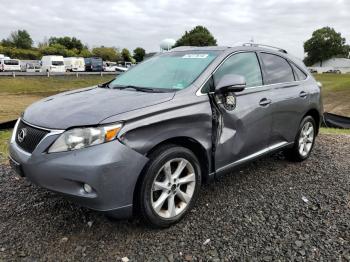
x=195, y=56
x=178, y=86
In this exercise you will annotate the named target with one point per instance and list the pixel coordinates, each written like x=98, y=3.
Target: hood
x=88, y=106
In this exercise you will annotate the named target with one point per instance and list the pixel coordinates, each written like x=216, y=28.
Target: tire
x=298, y=152
x=164, y=197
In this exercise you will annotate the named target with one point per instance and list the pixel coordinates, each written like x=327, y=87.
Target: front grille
x=28, y=137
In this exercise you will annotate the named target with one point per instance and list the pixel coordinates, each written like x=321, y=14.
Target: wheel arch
x=186, y=142
x=314, y=113
x=191, y=144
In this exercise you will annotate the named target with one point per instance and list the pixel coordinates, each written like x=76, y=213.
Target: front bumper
x=111, y=169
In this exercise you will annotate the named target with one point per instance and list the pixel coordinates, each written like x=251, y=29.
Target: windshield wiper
x=137, y=88
x=103, y=85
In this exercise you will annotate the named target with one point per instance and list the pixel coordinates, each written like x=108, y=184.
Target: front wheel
x=304, y=141
x=169, y=186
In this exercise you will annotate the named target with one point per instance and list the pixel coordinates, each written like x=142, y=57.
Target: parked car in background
x=144, y=142
x=52, y=63
x=108, y=66
x=113, y=67
x=74, y=64
x=32, y=68
x=93, y=64
x=332, y=71
x=313, y=71
x=8, y=64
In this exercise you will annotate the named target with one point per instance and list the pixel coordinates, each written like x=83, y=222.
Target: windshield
x=57, y=63
x=172, y=70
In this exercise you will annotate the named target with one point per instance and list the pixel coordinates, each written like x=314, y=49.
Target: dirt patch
x=337, y=102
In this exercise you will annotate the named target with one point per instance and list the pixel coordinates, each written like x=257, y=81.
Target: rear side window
x=276, y=69
x=244, y=64
x=299, y=75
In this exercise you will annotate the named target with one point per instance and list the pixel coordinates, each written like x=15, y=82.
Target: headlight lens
x=78, y=138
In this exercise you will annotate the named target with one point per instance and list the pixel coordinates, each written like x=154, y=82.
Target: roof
x=243, y=47
x=200, y=48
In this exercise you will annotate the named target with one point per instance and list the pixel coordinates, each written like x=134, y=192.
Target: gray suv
x=144, y=142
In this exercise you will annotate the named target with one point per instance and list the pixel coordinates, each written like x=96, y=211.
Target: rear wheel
x=304, y=140
x=170, y=186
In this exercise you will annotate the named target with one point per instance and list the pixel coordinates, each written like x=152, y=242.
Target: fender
x=181, y=117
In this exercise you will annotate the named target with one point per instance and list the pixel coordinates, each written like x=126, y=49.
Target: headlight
x=84, y=137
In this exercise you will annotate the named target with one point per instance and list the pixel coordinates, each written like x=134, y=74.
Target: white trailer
x=52, y=63
x=33, y=67
x=74, y=64
x=7, y=64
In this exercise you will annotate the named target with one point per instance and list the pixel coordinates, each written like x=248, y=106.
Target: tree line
x=324, y=43
x=20, y=45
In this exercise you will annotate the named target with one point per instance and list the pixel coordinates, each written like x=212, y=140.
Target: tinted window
x=299, y=75
x=276, y=69
x=244, y=64
x=11, y=62
x=208, y=86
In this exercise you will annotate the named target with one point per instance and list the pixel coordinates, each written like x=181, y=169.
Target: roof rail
x=268, y=46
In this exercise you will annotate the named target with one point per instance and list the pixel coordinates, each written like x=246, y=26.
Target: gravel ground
x=269, y=210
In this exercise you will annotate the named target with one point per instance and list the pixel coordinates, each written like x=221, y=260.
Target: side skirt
x=266, y=151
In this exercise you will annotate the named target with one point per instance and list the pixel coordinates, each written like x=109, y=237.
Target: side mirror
x=230, y=83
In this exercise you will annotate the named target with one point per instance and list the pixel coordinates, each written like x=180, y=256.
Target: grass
x=42, y=85
x=17, y=93
x=4, y=138
x=334, y=82
x=334, y=131
x=336, y=93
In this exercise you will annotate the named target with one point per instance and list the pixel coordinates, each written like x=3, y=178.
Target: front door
x=243, y=125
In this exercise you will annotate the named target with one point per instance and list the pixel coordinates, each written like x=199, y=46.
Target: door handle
x=265, y=102
x=303, y=94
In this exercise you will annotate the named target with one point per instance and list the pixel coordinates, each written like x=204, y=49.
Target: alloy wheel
x=306, y=139
x=173, y=188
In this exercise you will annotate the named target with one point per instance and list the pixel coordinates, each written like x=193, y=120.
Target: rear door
x=243, y=130
x=289, y=99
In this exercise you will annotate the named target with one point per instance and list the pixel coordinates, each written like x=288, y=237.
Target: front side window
x=171, y=70
x=276, y=69
x=244, y=64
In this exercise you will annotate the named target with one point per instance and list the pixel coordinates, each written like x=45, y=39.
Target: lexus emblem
x=22, y=135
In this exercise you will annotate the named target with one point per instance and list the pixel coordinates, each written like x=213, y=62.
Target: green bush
x=13, y=52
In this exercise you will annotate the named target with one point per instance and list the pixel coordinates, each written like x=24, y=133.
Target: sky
x=145, y=23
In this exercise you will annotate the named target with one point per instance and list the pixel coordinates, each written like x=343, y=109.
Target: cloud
x=132, y=23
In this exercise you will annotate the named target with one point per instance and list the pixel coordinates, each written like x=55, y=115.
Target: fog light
x=87, y=188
